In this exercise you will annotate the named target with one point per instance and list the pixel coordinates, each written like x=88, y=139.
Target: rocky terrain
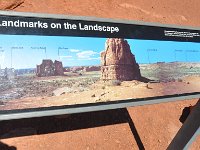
x=117, y=64
x=87, y=87
x=166, y=72
x=82, y=68
x=32, y=86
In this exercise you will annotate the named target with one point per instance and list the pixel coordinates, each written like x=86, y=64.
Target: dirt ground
x=30, y=91
x=149, y=127
x=104, y=92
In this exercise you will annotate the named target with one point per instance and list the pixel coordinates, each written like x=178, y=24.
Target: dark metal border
x=59, y=16
x=89, y=107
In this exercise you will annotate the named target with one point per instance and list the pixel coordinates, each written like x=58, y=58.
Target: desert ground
x=30, y=91
x=155, y=124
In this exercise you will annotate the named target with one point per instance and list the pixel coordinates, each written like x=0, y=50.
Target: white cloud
x=86, y=54
x=65, y=56
x=74, y=50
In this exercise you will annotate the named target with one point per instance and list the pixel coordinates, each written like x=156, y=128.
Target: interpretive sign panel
x=48, y=61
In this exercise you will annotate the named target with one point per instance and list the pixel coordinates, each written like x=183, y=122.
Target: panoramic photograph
x=46, y=71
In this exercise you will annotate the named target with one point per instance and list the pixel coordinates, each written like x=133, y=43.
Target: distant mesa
x=83, y=69
x=117, y=61
x=48, y=68
x=92, y=68
x=77, y=68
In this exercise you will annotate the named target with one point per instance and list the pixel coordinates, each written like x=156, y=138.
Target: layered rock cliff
x=117, y=61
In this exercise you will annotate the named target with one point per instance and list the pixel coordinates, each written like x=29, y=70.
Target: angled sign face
x=62, y=64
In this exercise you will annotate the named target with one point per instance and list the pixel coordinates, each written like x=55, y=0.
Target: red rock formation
x=58, y=68
x=77, y=68
x=92, y=68
x=117, y=61
x=67, y=69
x=48, y=68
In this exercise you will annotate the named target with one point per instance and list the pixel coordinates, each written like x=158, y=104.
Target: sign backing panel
x=60, y=62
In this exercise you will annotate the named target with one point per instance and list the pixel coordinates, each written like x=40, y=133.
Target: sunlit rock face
x=117, y=61
x=48, y=68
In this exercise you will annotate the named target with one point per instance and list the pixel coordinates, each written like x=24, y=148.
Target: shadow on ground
x=4, y=146
x=45, y=125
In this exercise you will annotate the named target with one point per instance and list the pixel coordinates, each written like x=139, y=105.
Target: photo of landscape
x=46, y=71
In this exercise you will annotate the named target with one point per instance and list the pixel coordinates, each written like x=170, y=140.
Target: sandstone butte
x=48, y=68
x=117, y=61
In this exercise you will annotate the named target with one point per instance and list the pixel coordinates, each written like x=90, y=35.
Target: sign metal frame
x=29, y=113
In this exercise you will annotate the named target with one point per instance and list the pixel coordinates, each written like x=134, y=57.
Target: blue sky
x=27, y=51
